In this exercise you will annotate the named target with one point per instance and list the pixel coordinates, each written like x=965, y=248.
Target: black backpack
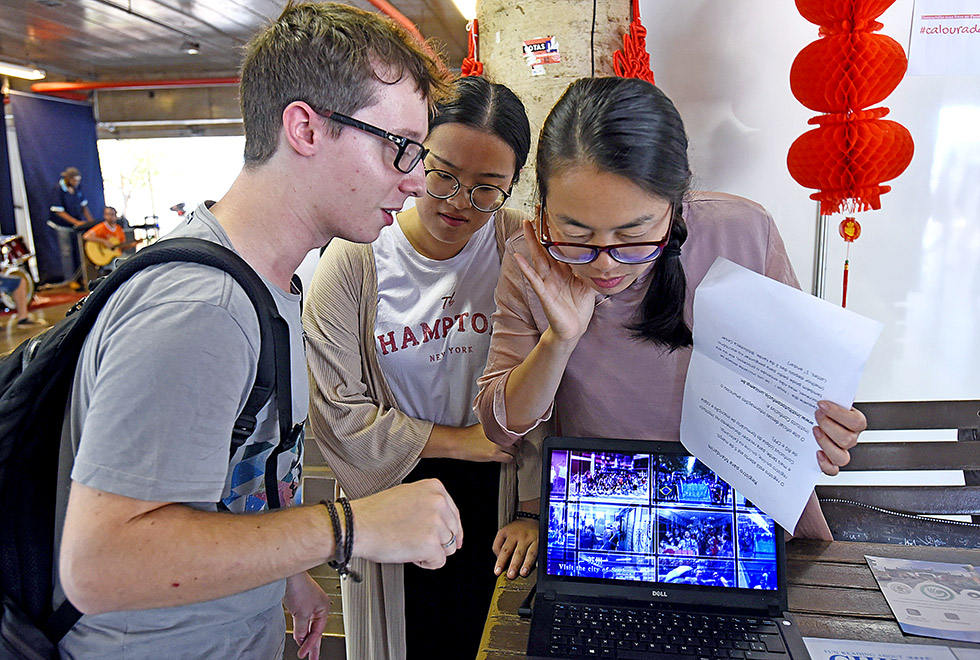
x=35, y=388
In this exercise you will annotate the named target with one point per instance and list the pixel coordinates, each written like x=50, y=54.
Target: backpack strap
x=274, y=330
x=289, y=435
x=205, y=252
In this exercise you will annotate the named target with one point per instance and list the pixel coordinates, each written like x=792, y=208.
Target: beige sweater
x=368, y=442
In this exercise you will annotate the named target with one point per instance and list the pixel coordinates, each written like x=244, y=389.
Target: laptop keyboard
x=591, y=631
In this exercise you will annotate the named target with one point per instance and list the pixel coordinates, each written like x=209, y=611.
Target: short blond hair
x=328, y=55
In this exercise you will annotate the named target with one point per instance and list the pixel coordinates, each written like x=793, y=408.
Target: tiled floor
x=11, y=334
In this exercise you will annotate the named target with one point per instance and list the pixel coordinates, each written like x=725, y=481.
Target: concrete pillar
x=504, y=27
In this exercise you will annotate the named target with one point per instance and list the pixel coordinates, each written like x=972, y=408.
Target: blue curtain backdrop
x=7, y=223
x=52, y=135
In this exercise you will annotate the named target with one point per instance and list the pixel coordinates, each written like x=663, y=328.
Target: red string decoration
x=471, y=65
x=634, y=60
x=849, y=229
x=848, y=69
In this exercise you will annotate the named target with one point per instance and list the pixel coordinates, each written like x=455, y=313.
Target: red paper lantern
x=847, y=160
x=847, y=72
x=844, y=15
x=848, y=69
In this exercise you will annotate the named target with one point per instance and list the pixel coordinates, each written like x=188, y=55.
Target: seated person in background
x=594, y=309
x=108, y=234
x=16, y=288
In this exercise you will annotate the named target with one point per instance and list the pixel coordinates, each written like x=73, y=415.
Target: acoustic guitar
x=100, y=255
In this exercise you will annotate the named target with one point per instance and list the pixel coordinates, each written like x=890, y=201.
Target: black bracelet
x=349, y=536
x=527, y=514
x=342, y=547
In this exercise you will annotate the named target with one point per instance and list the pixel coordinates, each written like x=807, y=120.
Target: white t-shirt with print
x=432, y=329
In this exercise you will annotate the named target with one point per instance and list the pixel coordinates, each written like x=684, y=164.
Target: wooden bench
x=899, y=514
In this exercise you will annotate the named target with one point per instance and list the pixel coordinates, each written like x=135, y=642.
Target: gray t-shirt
x=162, y=377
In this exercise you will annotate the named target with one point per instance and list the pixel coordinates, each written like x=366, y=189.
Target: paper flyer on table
x=764, y=354
x=850, y=649
x=934, y=599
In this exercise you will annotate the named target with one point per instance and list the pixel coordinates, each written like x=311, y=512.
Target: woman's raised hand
x=567, y=301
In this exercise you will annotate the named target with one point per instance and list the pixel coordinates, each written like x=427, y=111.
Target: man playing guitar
x=106, y=240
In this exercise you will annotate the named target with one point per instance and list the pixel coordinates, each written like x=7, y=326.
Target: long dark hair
x=629, y=127
x=490, y=107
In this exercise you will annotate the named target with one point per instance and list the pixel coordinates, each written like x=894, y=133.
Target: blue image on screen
x=694, y=570
x=669, y=519
x=560, y=533
x=614, y=528
x=685, y=479
x=695, y=532
x=757, y=575
x=559, y=474
x=613, y=566
x=756, y=536
x=606, y=477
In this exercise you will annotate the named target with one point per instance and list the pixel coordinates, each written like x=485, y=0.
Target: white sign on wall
x=945, y=38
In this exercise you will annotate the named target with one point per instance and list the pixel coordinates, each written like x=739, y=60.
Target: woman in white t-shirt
x=398, y=333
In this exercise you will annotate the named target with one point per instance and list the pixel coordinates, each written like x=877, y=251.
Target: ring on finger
x=452, y=540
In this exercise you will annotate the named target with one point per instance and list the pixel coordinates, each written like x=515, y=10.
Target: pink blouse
x=615, y=385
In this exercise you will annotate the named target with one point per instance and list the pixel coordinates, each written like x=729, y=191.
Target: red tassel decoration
x=634, y=60
x=472, y=66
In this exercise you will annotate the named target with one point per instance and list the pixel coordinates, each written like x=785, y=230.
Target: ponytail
x=661, y=315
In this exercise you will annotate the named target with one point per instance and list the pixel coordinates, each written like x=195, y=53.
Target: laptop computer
x=648, y=555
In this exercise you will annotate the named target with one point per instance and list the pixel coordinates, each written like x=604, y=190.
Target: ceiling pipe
x=61, y=87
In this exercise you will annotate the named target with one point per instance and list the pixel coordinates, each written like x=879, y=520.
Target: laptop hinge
x=547, y=595
x=775, y=611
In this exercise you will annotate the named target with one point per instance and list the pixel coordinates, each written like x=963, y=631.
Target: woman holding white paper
x=594, y=308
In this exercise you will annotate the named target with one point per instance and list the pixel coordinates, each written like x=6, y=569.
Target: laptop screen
x=654, y=518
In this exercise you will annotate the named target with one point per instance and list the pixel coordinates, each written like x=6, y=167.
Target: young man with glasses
x=168, y=547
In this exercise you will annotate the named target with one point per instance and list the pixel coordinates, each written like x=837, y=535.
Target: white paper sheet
x=764, y=354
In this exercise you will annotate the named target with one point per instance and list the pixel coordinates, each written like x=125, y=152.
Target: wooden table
x=832, y=593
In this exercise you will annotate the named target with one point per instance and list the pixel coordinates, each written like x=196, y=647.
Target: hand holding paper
x=764, y=355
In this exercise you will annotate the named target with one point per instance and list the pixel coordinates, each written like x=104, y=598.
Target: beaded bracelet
x=342, y=547
x=349, y=536
x=527, y=514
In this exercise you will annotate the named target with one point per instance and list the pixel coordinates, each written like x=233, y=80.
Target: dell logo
x=659, y=594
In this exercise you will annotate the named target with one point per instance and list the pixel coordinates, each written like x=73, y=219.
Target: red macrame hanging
x=472, y=66
x=848, y=69
x=634, y=60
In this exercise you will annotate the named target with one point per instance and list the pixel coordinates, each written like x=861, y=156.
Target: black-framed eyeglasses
x=484, y=196
x=410, y=152
x=582, y=253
